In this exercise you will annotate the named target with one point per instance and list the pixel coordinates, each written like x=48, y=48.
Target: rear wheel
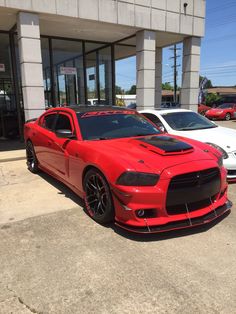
x=32, y=162
x=98, y=198
x=227, y=116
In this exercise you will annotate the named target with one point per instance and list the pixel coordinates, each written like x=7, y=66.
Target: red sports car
x=126, y=170
x=222, y=112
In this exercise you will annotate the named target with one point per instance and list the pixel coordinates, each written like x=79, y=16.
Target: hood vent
x=165, y=145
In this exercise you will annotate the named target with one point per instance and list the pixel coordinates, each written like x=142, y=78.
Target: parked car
x=170, y=105
x=202, y=109
x=222, y=112
x=126, y=170
x=192, y=125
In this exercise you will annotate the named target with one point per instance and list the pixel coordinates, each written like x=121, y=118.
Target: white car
x=190, y=124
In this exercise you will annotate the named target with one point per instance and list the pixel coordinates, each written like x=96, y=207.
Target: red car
x=222, y=112
x=202, y=109
x=126, y=170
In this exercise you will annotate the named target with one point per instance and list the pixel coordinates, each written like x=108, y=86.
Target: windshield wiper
x=100, y=138
x=146, y=134
x=191, y=129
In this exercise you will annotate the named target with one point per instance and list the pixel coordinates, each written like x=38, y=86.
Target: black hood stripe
x=166, y=144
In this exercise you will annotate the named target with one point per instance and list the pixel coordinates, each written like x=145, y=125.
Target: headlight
x=223, y=152
x=130, y=178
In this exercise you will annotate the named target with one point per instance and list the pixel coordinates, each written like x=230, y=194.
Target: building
x=226, y=93
x=55, y=52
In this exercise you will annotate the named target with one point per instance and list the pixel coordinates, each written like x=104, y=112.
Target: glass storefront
x=76, y=72
x=11, y=110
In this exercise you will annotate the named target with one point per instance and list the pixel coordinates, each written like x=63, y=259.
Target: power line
x=175, y=57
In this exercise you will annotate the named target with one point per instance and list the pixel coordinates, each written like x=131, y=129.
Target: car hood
x=155, y=153
x=223, y=137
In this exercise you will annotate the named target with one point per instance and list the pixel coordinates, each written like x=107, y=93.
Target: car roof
x=81, y=109
x=163, y=111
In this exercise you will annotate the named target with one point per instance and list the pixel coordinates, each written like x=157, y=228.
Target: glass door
x=92, y=79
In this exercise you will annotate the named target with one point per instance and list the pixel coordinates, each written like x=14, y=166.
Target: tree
x=208, y=83
x=167, y=86
x=132, y=90
x=212, y=99
x=119, y=90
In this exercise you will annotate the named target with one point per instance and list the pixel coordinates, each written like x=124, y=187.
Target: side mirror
x=64, y=133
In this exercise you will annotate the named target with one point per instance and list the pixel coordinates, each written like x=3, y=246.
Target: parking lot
x=55, y=259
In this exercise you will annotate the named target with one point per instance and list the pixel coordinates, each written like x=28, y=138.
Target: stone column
x=31, y=64
x=190, y=78
x=145, y=60
x=158, y=78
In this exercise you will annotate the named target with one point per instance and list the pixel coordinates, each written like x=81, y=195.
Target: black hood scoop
x=166, y=144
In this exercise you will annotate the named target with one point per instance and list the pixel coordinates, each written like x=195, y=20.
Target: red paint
x=220, y=113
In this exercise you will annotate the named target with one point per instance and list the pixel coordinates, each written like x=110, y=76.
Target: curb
x=12, y=159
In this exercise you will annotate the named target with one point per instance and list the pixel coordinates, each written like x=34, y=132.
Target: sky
x=218, y=50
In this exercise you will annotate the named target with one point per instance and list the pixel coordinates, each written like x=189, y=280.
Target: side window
x=48, y=121
x=155, y=120
x=63, y=123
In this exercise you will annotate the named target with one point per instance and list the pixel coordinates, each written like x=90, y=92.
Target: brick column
x=31, y=64
x=158, y=78
x=190, y=78
x=145, y=53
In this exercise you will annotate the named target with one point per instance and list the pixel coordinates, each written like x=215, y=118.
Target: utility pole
x=175, y=57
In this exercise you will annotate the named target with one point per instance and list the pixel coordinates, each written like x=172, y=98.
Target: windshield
x=225, y=106
x=184, y=121
x=102, y=125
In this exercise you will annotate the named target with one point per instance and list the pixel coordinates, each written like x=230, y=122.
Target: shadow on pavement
x=62, y=188
x=9, y=145
x=169, y=234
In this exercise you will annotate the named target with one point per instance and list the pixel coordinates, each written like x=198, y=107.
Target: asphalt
x=55, y=259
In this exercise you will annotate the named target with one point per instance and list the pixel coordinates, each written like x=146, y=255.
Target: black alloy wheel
x=227, y=116
x=32, y=162
x=98, y=198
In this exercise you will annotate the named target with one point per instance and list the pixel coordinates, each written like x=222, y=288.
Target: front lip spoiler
x=176, y=225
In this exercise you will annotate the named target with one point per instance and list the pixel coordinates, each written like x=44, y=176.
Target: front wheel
x=227, y=116
x=32, y=162
x=98, y=198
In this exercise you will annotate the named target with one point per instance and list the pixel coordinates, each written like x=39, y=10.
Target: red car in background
x=222, y=112
x=202, y=109
x=127, y=170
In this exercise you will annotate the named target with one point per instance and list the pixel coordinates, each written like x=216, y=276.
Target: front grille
x=192, y=191
x=232, y=172
x=194, y=179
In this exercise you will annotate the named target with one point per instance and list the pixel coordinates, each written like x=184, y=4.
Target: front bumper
x=181, y=224
x=230, y=165
x=215, y=116
x=176, y=201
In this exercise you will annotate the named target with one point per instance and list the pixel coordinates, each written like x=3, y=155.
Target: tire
x=98, y=198
x=203, y=113
x=227, y=116
x=32, y=162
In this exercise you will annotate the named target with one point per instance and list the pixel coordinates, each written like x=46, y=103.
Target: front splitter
x=182, y=224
